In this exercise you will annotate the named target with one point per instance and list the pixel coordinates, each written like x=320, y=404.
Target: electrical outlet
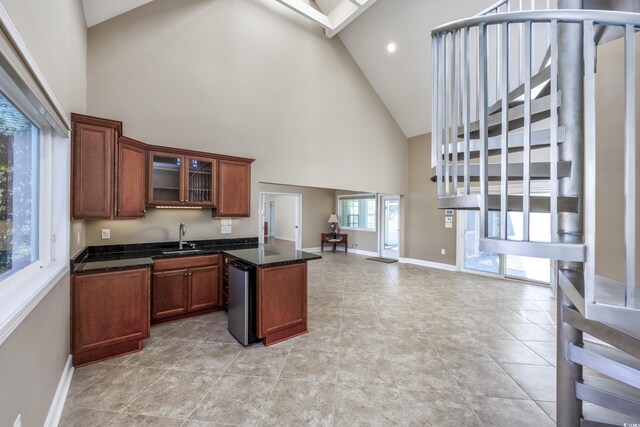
x=18, y=421
x=355, y=245
x=106, y=233
x=443, y=252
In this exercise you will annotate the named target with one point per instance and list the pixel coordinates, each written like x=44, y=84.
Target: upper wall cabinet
x=93, y=147
x=181, y=180
x=234, y=199
x=131, y=178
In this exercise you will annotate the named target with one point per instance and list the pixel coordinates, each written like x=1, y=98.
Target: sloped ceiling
x=401, y=79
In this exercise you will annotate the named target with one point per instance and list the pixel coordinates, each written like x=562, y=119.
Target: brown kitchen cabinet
x=185, y=286
x=282, y=302
x=181, y=180
x=234, y=196
x=109, y=314
x=131, y=178
x=92, y=166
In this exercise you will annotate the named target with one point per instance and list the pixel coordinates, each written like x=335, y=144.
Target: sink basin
x=181, y=251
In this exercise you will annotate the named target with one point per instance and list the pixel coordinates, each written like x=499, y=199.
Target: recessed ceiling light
x=391, y=47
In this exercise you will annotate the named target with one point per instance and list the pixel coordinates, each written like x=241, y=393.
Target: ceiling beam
x=340, y=22
x=309, y=12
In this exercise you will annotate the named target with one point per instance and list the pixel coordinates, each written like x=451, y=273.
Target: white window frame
x=21, y=292
x=363, y=196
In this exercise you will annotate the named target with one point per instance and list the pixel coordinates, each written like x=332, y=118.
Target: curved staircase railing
x=514, y=109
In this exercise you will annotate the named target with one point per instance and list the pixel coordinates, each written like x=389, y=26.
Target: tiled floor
x=388, y=344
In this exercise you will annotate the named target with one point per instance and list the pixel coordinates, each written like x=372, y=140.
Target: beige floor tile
x=367, y=406
x=311, y=365
x=497, y=412
x=134, y=420
x=236, y=400
x=486, y=379
x=422, y=372
x=513, y=351
x=116, y=389
x=324, y=339
x=193, y=331
x=545, y=349
x=299, y=403
x=365, y=368
x=360, y=322
x=222, y=334
x=538, y=381
x=356, y=341
x=438, y=409
x=528, y=332
x=164, y=353
x=174, y=395
x=258, y=361
x=84, y=376
x=82, y=417
x=219, y=316
x=212, y=357
x=159, y=330
x=549, y=408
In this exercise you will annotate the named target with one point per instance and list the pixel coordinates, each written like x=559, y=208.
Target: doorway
x=389, y=226
x=280, y=220
x=472, y=260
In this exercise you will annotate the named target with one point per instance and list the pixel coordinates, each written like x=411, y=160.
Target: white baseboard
x=430, y=264
x=284, y=238
x=361, y=252
x=316, y=249
x=55, y=411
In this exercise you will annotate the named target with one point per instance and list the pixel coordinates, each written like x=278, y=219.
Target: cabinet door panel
x=109, y=308
x=132, y=179
x=165, y=179
x=93, y=149
x=235, y=189
x=282, y=298
x=201, y=181
x=169, y=293
x=205, y=292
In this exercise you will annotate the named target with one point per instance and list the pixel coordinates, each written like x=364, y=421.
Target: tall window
x=358, y=212
x=19, y=167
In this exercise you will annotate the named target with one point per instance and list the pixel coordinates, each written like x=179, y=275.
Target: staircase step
x=539, y=111
x=515, y=171
x=610, y=394
x=610, y=334
x=539, y=139
x=609, y=361
x=538, y=204
x=538, y=79
x=554, y=251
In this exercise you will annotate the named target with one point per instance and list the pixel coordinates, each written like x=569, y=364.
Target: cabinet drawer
x=185, y=262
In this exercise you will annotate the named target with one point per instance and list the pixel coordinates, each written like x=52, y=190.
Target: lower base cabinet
x=282, y=302
x=185, y=286
x=109, y=314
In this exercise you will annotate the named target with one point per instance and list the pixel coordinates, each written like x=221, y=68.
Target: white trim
x=430, y=264
x=22, y=301
x=316, y=249
x=284, y=238
x=57, y=405
x=366, y=230
x=298, y=216
x=385, y=253
x=361, y=252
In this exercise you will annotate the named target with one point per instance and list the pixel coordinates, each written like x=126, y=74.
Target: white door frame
x=382, y=226
x=262, y=214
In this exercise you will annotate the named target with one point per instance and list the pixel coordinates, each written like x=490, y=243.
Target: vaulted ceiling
x=402, y=79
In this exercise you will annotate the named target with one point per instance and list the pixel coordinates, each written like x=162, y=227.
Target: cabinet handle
x=144, y=210
x=186, y=274
x=190, y=274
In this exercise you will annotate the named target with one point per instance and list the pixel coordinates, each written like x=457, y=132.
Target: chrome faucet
x=181, y=232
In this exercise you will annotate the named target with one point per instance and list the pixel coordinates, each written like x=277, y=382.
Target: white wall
x=246, y=78
x=285, y=215
x=33, y=357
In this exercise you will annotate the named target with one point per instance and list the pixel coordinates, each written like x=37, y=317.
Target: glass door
x=390, y=230
x=165, y=186
x=200, y=181
x=528, y=268
x=474, y=259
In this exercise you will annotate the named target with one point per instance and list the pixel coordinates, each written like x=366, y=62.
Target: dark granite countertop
x=270, y=256
x=117, y=257
x=95, y=259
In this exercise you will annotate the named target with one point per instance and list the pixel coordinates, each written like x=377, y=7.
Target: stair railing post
x=570, y=225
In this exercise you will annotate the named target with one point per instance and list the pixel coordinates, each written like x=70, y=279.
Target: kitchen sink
x=181, y=251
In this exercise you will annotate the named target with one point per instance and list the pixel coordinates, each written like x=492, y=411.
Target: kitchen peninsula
x=118, y=291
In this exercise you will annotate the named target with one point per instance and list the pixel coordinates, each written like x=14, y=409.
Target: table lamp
x=333, y=223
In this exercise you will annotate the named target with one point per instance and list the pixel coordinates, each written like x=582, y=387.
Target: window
x=19, y=195
x=358, y=212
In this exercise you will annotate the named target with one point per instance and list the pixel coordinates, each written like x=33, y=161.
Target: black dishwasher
x=242, y=302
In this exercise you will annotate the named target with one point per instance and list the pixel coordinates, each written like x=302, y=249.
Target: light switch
x=225, y=229
x=106, y=233
x=448, y=219
x=225, y=221
x=448, y=225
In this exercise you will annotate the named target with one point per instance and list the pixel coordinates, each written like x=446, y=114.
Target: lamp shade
x=333, y=218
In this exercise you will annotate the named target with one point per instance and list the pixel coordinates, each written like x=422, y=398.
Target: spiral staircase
x=514, y=107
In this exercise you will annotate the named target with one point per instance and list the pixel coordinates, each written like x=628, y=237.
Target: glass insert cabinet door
x=165, y=179
x=200, y=182
x=180, y=180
